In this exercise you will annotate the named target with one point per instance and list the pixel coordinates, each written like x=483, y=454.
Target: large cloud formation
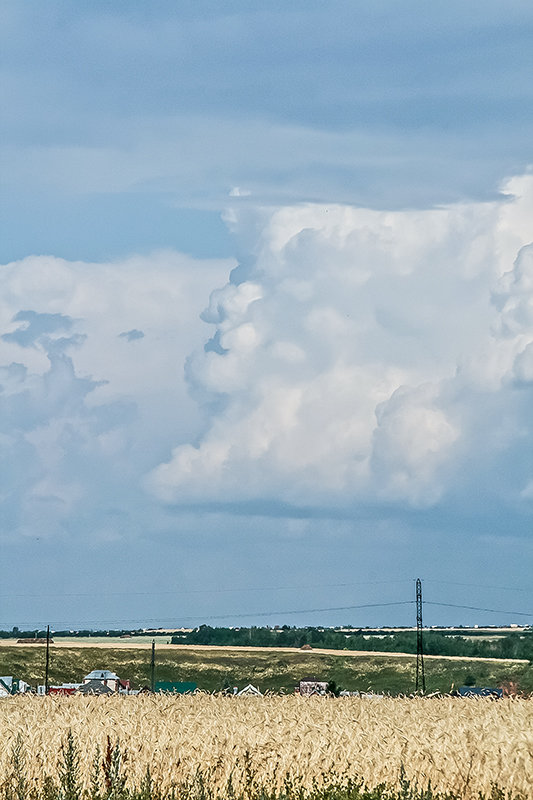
x=357, y=360
x=362, y=357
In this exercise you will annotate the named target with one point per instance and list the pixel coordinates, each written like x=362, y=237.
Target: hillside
x=214, y=669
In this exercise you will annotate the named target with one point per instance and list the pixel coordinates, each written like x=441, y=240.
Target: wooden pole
x=152, y=668
x=47, y=668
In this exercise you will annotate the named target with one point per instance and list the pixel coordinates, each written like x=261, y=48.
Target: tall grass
x=273, y=748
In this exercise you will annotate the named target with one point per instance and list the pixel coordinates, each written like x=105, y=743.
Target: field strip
x=130, y=644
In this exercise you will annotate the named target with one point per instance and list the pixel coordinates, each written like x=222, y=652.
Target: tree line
x=512, y=644
x=439, y=643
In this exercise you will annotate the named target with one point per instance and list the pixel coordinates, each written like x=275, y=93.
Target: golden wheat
x=460, y=745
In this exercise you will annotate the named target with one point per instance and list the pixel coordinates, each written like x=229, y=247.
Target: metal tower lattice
x=420, y=675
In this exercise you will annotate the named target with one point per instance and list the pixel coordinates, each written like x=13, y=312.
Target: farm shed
x=64, y=689
x=311, y=686
x=34, y=640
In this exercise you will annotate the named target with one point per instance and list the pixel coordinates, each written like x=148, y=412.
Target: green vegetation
x=437, y=643
x=214, y=670
x=109, y=781
x=17, y=633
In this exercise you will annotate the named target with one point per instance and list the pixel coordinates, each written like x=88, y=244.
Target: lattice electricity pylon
x=420, y=675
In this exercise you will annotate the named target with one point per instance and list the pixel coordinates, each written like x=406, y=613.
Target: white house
x=105, y=677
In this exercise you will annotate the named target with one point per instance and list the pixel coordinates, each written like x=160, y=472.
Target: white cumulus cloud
x=354, y=353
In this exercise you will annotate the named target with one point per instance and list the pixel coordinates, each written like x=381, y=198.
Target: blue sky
x=266, y=310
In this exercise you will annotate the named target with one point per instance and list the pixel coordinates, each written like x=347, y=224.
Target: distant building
x=311, y=686
x=106, y=678
x=95, y=687
x=34, y=640
x=10, y=686
x=64, y=689
x=250, y=691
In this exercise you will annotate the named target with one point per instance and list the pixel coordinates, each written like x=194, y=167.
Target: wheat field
x=461, y=746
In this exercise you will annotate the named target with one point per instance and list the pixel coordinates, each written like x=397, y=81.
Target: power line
x=309, y=610
x=201, y=591
x=248, y=615
x=233, y=590
x=239, y=615
x=480, y=585
x=477, y=608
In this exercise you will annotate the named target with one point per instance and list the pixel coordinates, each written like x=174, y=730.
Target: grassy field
x=269, y=669
x=274, y=748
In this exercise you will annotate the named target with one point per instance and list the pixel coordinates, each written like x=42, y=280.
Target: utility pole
x=47, y=667
x=420, y=676
x=152, y=668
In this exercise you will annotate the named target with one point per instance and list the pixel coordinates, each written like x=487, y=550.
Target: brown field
x=460, y=745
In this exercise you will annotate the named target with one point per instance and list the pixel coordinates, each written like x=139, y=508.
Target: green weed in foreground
x=109, y=781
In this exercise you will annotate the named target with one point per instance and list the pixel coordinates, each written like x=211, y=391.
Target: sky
x=266, y=313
